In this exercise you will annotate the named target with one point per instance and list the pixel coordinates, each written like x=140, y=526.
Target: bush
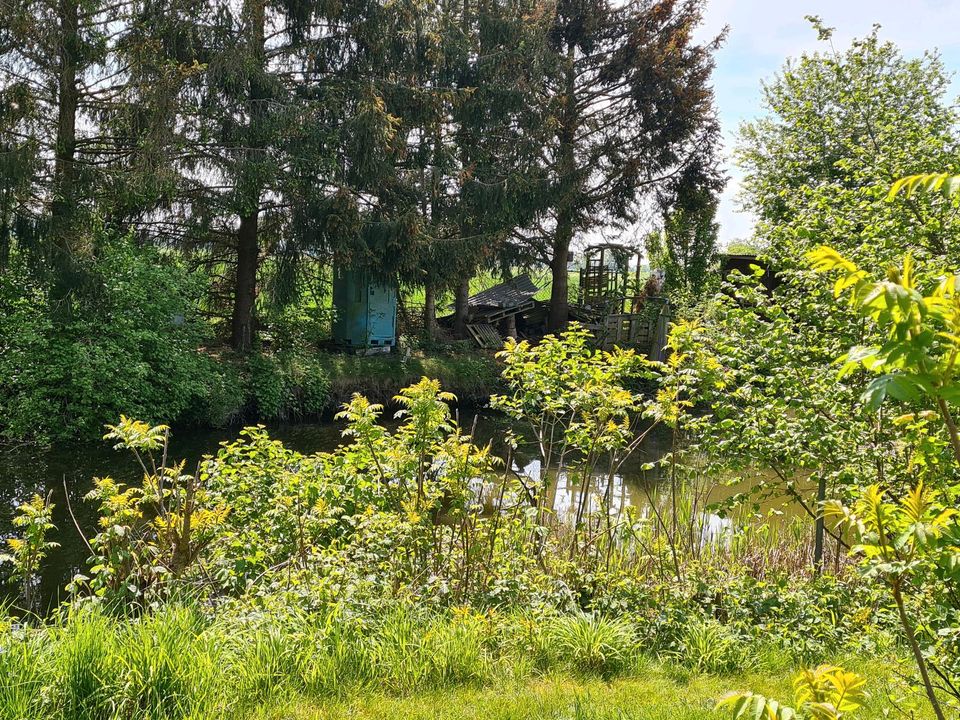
x=287, y=384
x=226, y=398
x=130, y=345
x=708, y=646
x=310, y=383
x=269, y=386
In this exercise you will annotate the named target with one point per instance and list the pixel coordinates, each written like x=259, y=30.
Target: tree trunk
x=461, y=313
x=559, y=292
x=429, y=312
x=4, y=242
x=243, y=330
x=63, y=206
x=819, y=526
x=564, y=231
x=917, y=652
x=637, y=289
x=243, y=324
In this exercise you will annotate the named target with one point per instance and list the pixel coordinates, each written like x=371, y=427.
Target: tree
x=259, y=126
x=909, y=546
x=687, y=245
x=842, y=125
x=501, y=131
x=53, y=55
x=18, y=164
x=242, y=112
x=84, y=88
x=466, y=118
x=630, y=105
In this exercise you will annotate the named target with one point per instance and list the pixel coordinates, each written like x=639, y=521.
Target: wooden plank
x=485, y=335
x=499, y=314
x=658, y=350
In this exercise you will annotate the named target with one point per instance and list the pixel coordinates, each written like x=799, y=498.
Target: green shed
x=365, y=316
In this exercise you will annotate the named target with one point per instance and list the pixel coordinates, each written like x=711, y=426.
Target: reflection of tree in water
x=26, y=471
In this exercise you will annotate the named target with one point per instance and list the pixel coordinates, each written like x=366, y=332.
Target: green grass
x=246, y=664
x=658, y=693
x=469, y=375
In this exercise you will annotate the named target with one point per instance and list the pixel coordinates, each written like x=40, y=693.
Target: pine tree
x=631, y=105
x=687, y=245
x=54, y=59
x=84, y=87
x=250, y=151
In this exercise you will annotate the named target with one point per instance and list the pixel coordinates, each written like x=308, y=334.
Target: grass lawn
x=469, y=375
x=656, y=695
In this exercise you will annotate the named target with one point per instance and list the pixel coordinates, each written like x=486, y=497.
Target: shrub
x=269, y=386
x=226, y=396
x=708, y=646
x=311, y=385
x=131, y=345
x=287, y=385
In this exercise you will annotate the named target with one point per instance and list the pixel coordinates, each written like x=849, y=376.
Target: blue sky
x=764, y=33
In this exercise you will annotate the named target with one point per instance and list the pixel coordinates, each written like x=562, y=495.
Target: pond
x=25, y=471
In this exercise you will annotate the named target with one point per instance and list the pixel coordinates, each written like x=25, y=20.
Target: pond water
x=67, y=471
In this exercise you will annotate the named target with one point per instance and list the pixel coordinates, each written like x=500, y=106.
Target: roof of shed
x=511, y=293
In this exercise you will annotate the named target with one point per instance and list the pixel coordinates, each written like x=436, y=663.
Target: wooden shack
x=494, y=311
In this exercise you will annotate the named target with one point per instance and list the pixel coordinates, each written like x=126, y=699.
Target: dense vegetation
x=176, y=191
x=413, y=559
x=222, y=159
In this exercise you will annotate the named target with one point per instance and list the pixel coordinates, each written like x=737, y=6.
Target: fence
x=645, y=330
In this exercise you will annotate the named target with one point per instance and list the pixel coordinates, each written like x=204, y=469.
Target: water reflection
x=645, y=492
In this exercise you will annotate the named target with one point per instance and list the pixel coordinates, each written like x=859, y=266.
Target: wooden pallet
x=486, y=335
x=496, y=314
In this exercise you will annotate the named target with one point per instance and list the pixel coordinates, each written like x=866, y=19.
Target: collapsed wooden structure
x=615, y=310
x=500, y=304
x=614, y=307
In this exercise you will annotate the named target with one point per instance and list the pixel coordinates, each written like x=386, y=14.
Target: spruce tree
x=631, y=105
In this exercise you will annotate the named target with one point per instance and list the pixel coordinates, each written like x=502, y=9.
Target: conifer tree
x=53, y=63
x=631, y=105
x=84, y=90
x=251, y=150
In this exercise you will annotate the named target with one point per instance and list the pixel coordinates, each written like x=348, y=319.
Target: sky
x=764, y=33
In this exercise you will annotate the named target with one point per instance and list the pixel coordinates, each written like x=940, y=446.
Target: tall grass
x=181, y=663
x=25, y=672
x=592, y=644
x=87, y=659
